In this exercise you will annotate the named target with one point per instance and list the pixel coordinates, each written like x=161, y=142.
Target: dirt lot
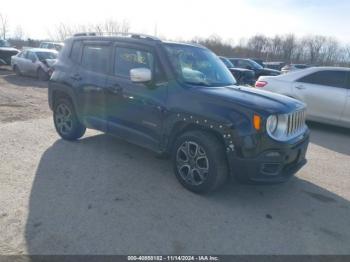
x=21, y=98
x=101, y=195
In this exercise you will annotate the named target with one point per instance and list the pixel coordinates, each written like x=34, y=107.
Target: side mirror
x=140, y=75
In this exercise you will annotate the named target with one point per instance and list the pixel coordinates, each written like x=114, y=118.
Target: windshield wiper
x=198, y=83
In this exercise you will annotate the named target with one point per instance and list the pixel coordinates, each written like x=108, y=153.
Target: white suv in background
x=325, y=90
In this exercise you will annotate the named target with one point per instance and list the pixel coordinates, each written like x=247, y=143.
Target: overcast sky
x=185, y=19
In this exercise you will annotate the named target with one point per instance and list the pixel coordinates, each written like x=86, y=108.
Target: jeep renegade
x=180, y=100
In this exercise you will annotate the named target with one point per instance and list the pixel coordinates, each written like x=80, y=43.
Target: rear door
x=32, y=63
x=324, y=93
x=89, y=79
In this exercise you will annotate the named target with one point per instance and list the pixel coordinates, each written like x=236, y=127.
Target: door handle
x=75, y=77
x=115, y=89
x=300, y=87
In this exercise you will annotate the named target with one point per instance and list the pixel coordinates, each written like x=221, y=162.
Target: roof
x=54, y=43
x=129, y=37
x=41, y=50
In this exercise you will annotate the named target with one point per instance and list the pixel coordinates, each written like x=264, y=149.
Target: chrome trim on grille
x=289, y=126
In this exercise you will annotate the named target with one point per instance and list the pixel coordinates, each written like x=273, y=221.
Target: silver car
x=325, y=90
x=36, y=62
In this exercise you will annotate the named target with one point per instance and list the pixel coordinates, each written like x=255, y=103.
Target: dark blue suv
x=179, y=100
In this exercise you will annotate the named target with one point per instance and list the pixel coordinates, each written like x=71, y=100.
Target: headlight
x=286, y=126
x=271, y=124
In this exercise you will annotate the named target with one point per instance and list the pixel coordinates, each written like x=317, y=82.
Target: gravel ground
x=21, y=98
x=101, y=195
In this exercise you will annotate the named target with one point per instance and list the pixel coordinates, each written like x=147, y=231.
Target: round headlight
x=271, y=124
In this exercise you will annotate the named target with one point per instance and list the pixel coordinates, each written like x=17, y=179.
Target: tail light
x=260, y=84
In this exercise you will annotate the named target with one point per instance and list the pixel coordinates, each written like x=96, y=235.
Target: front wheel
x=199, y=162
x=17, y=70
x=66, y=121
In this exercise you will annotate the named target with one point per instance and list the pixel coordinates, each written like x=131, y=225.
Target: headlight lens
x=271, y=124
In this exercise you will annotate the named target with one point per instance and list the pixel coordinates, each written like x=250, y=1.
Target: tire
x=42, y=75
x=66, y=121
x=17, y=70
x=204, y=168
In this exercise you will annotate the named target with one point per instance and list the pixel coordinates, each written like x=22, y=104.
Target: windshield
x=46, y=55
x=227, y=62
x=198, y=66
x=254, y=64
x=4, y=43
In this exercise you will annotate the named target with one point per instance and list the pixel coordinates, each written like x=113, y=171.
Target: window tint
x=31, y=56
x=348, y=80
x=75, y=54
x=326, y=78
x=128, y=58
x=95, y=58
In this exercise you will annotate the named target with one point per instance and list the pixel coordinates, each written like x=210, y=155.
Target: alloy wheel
x=192, y=163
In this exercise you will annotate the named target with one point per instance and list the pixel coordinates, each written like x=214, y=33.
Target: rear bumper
x=271, y=166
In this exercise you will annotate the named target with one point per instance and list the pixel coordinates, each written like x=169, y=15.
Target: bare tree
x=288, y=46
x=314, y=46
x=110, y=26
x=4, y=26
x=18, y=34
x=259, y=45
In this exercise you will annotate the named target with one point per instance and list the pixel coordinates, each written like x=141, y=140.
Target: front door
x=135, y=110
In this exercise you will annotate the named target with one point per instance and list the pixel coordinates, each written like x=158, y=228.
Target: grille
x=295, y=123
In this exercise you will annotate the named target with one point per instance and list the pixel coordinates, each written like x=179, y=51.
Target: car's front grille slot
x=295, y=123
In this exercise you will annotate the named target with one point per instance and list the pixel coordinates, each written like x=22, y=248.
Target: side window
x=129, y=58
x=95, y=58
x=31, y=56
x=326, y=78
x=348, y=80
x=75, y=54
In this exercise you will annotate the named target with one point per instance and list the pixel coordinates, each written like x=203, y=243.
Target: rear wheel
x=66, y=121
x=200, y=162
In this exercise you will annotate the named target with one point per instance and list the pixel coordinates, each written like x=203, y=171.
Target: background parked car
x=274, y=65
x=252, y=65
x=293, y=67
x=6, y=51
x=243, y=76
x=259, y=61
x=325, y=90
x=51, y=45
x=34, y=62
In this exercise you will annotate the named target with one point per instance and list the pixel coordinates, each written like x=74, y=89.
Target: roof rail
x=122, y=34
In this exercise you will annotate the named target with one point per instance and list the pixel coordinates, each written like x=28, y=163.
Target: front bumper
x=271, y=166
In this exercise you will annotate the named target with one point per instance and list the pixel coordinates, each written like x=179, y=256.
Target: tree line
x=312, y=49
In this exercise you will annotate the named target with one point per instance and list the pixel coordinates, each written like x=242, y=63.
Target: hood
x=9, y=49
x=254, y=99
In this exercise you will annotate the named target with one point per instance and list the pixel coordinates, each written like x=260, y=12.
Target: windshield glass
x=46, y=55
x=4, y=43
x=198, y=66
x=254, y=64
x=227, y=62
